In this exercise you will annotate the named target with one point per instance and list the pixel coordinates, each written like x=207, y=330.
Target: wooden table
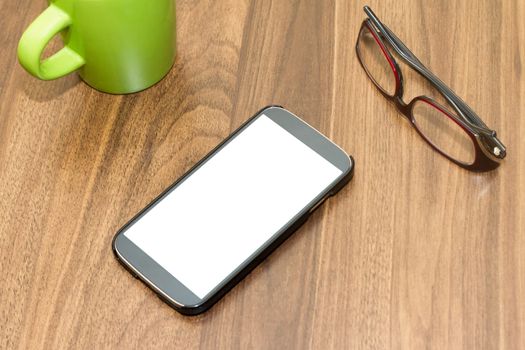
x=414, y=253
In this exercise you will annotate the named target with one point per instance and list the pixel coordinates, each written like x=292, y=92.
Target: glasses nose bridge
x=401, y=106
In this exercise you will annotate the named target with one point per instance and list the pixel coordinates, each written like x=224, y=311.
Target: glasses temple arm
x=495, y=146
x=391, y=37
x=466, y=112
x=460, y=106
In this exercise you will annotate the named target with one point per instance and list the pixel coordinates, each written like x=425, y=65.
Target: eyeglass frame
x=489, y=151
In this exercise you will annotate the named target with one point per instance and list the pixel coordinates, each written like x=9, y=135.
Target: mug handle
x=35, y=39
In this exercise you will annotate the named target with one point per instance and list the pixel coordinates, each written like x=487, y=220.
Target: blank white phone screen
x=232, y=205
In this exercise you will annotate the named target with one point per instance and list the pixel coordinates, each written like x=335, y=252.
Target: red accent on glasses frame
x=387, y=55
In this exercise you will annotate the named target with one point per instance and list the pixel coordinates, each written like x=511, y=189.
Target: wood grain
x=414, y=253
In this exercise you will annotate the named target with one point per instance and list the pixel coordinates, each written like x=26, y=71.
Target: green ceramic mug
x=118, y=46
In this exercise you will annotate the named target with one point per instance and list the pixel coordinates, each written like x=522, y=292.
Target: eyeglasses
x=451, y=127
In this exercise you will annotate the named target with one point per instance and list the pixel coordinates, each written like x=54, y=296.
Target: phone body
x=208, y=230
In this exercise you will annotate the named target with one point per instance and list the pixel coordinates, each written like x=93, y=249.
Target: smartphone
x=209, y=229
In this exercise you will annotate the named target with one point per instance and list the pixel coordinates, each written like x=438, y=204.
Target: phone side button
x=318, y=204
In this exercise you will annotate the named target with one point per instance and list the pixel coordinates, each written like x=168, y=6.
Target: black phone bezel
x=173, y=292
